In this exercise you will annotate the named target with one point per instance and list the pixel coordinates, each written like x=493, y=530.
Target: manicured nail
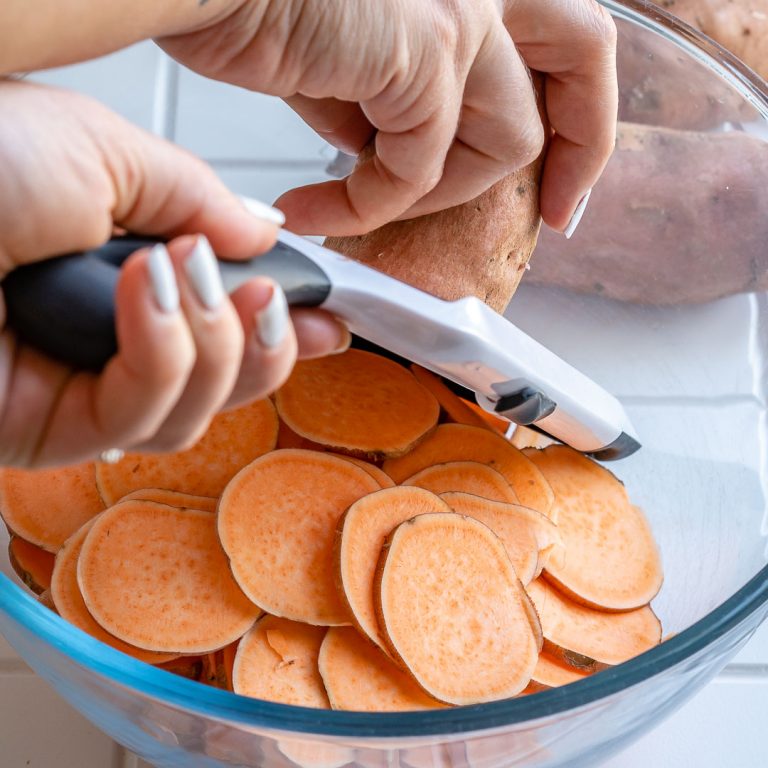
x=577, y=214
x=263, y=211
x=203, y=271
x=345, y=340
x=273, y=321
x=163, y=279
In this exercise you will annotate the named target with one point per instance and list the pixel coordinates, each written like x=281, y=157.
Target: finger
x=415, y=130
x=574, y=42
x=140, y=386
x=341, y=123
x=218, y=338
x=500, y=129
x=270, y=345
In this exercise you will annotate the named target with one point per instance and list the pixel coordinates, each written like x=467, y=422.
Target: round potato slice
x=358, y=403
x=234, y=439
x=277, y=522
x=453, y=610
x=609, y=559
x=588, y=639
x=464, y=477
x=361, y=535
x=277, y=661
x=359, y=677
x=156, y=577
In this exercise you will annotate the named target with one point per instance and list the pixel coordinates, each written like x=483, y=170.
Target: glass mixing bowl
x=676, y=223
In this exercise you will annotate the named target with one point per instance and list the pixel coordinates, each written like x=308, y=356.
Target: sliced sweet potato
x=456, y=409
x=156, y=577
x=464, y=477
x=46, y=599
x=69, y=603
x=361, y=534
x=523, y=437
x=602, y=533
x=496, y=423
x=277, y=519
x=588, y=639
x=311, y=754
x=552, y=673
x=359, y=677
x=233, y=439
x=173, y=499
x=46, y=506
x=459, y=442
x=452, y=609
x=523, y=531
x=287, y=438
x=357, y=403
x=277, y=661
x=377, y=473
x=33, y=564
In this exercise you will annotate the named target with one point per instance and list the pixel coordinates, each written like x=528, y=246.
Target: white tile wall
x=261, y=149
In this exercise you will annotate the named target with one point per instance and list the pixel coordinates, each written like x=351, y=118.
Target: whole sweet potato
x=741, y=26
x=678, y=217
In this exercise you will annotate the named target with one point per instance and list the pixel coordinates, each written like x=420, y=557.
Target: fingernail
x=273, y=321
x=345, y=340
x=577, y=214
x=163, y=279
x=263, y=211
x=203, y=271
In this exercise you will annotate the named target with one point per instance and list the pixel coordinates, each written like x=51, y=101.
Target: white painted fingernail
x=577, y=214
x=263, y=211
x=163, y=279
x=203, y=271
x=273, y=321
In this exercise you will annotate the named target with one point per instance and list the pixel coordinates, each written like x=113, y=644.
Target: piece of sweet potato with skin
x=741, y=26
x=478, y=249
x=677, y=218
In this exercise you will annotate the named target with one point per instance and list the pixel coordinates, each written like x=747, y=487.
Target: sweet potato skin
x=478, y=249
x=741, y=26
x=696, y=233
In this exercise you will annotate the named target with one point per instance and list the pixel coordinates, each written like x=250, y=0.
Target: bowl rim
x=92, y=655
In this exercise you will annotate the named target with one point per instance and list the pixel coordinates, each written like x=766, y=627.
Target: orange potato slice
x=173, y=499
x=602, y=533
x=69, y=603
x=33, y=564
x=46, y=506
x=233, y=439
x=277, y=661
x=277, y=521
x=359, y=677
x=156, y=577
x=452, y=610
x=589, y=639
x=525, y=533
x=459, y=442
x=362, y=532
x=357, y=403
x=456, y=409
x=465, y=477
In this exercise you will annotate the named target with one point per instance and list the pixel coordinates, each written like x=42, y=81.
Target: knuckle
x=599, y=27
x=528, y=143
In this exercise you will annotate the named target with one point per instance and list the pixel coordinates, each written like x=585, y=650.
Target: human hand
x=72, y=171
x=440, y=84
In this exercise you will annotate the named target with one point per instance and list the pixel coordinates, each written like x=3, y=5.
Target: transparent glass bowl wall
x=693, y=380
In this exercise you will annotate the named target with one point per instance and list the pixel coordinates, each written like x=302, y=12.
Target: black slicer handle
x=65, y=307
